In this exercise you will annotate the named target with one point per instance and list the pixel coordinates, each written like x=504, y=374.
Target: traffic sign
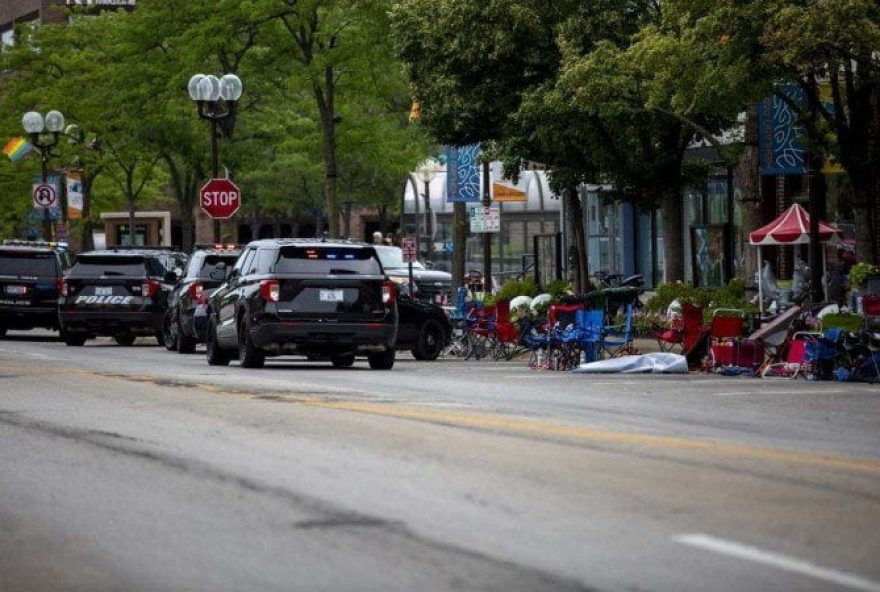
x=410, y=253
x=44, y=195
x=220, y=198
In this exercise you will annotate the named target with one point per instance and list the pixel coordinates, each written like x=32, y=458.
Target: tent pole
x=760, y=285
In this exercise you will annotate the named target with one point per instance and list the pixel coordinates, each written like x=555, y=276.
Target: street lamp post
x=426, y=173
x=44, y=135
x=217, y=99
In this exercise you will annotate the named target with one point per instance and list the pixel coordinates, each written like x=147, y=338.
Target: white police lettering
x=104, y=300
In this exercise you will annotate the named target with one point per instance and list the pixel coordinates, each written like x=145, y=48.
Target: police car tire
x=249, y=355
x=169, y=339
x=429, y=342
x=381, y=360
x=2, y=330
x=185, y=343
x=74, y=339
x=216, y=355
x=125, y=339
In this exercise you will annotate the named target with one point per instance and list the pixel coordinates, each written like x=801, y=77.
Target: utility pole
x=487, y=236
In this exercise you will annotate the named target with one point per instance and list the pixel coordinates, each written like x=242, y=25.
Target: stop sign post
x=220, y=198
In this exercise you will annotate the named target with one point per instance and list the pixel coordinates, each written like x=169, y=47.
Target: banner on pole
x=74, y=195
x=463, y=174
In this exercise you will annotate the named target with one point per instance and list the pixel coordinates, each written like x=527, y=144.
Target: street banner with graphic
x=463, y=174
x=782, y=145
x=74, y=195
x=781, y=133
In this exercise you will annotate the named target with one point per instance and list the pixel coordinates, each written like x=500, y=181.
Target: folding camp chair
x=684, y=331
x=617, y=340
x=795, y=363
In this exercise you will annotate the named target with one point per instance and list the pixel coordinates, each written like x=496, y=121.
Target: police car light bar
x=12, y=242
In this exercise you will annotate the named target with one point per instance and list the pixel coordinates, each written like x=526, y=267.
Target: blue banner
x=463, y=174
x=782, y=146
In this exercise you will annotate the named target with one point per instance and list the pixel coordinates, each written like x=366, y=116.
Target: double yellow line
x=513, y=425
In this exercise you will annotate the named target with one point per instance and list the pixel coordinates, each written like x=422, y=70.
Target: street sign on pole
x=220, y=198
x=410, y=253
x=44, y=195
x=485, y=219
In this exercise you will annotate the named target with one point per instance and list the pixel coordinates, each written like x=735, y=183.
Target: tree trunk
x=326, y=108
x=129, y=194
x=578, y=240
x=673, y=253
x=459, y=243
x=749, y=182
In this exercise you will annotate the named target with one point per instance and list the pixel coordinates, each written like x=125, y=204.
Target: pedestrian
x=377, y=238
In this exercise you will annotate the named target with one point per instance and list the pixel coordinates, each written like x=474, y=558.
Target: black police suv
x=207, y=269
x=120, y=292
x=424, y=328
x=30, y=282
x=431, y=285
x=318, y=298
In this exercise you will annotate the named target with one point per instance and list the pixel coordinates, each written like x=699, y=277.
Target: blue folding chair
x=590, y=326
x=617, y=340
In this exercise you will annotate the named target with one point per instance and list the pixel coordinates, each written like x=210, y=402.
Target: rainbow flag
x=17, y=148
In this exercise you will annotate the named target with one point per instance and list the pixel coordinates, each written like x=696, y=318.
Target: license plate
x=332, y=296
x=104, y=291
x=17, y=290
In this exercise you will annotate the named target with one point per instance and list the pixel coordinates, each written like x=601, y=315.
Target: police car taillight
x=270, y=290
x=389, y=292
x=61, y=286
x=195, y=291
x=149, y=288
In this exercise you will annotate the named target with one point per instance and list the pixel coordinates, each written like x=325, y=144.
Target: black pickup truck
x=315, y=298
x=30, y=282
x=121, y=293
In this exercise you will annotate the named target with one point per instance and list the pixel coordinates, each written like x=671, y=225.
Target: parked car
x=30, y=282
x=186, y=316
x=120, y=292
x=318, y=298
x=424, y=328
x=430, y=285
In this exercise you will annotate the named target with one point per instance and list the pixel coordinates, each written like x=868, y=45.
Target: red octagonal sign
x=220, y=198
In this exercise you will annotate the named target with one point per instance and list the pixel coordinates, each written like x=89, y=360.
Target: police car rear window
x=212, y=261
x=115, y=265
x=27, y=263
x=327, y=260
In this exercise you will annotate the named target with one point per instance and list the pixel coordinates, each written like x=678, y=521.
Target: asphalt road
x=133, y=468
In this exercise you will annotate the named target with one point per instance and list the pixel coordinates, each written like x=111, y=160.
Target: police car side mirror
x=171, y=277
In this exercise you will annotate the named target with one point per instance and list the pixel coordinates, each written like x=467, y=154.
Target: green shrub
x=557, y=289
x=861, y=272
x=514, y=288
x=733, y=295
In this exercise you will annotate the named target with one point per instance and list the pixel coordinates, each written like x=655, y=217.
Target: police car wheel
x=2, y=330
x=170, y=332
x=125, y=339
x=249, y=355
x=74, y=339
x=216, y=356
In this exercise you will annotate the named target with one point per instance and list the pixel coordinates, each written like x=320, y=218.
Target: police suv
x=120, y=292
x=30, y=280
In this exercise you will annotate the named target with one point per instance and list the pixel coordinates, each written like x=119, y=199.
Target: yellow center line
x=522, y=426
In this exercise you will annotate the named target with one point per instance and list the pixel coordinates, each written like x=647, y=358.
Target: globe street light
x=217, y=99
x=426, y=173
x=44, y=135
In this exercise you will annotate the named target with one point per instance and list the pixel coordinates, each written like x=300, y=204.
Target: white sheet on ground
x=656, y=363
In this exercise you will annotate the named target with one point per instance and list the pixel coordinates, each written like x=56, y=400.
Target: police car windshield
x=327, y=260
x=90, y=266
x=25, y=263
x=392, y=258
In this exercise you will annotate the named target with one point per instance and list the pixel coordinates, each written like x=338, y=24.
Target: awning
x=792, y=227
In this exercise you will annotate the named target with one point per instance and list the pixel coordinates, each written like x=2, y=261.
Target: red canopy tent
x=791, y=227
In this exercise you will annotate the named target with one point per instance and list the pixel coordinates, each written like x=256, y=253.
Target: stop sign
x=220, y=198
